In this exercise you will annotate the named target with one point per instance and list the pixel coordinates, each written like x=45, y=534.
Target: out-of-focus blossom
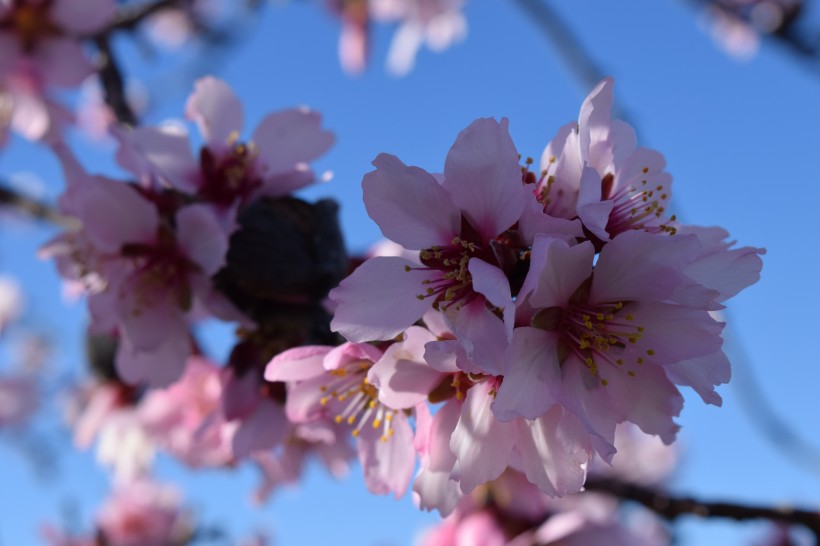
x=438, y=24
x=144, y=513
x=42, y=48
x=511, y=512
x=19, y=399
x=11, y=301
x=227, y=170
x=95, y=117
x=146, y=269
x=737, y=25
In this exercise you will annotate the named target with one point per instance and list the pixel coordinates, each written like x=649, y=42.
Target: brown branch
x=672, y=507
x=112, y=82
x=33, y=208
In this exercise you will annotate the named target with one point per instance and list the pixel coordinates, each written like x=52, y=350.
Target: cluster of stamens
x=455, y=283
x=355, y=400
x=230, y=176
x=637, y=206
x=597, y=334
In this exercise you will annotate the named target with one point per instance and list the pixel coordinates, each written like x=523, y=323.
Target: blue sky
x=740, y=140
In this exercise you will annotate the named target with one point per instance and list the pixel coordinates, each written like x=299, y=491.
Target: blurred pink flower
x=227, y=170
x=42, y=48
x=144, y=513
x=19, y=399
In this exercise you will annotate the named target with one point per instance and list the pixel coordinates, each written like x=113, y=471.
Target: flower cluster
x=146, y=252
x=42, y=49
x=435, y=23
x=559, y=303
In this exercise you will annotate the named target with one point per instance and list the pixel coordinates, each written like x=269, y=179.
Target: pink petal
x=564, y=269
x=149, y=316
x=387, y=463
x=433, y=488
x=286, y=182
x=201, y=237
x=158, y=367
x=213, y=106
x=718, y=267
x=264, y=429
x=593, y=212
x=351, y=352
x=115, y=214
x=638, y=266
x=161, y=151
x=297, y=364
x=239, y=393
x=62, y=62
x=409, y=205
x=646, y=398
x=595, y=117
x=481, y=443
x=702, y=374
x=444, y=356
x=290, y=137
x=675, y=332
x=304, y=400
x=10, y=46
x=532, y=376
x=484, y=178
x=82, y=17
x=401, y=375
x=379, y=299
x=554, y=452
x=482, y=334
x=534, y=221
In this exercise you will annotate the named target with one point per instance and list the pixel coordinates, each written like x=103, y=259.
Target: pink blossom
x=42, y=48
x=456, y=225
x=19, y=399
x=11, y=301
x=145, y=267
x=594, y=170
x=600, y=344
x=143, y=514
x=227, y=170
x=335, y=385
x=435, y=23
x=186, y=417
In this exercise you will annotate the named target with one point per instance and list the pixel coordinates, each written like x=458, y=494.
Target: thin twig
x=577, y=60
x=112, y=82
x=672, y=507
x=33, y=208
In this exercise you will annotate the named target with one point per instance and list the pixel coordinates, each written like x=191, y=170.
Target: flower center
x=455, y=283
x=355, y=400
x=231, y=176
x=32, y=23
x=638, y=205
x=597, y=334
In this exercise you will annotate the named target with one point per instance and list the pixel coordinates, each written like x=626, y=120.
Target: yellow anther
x=604, y=382
x=338, y=418
x=650, y=352
x=630, y=316
x=630, y=373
